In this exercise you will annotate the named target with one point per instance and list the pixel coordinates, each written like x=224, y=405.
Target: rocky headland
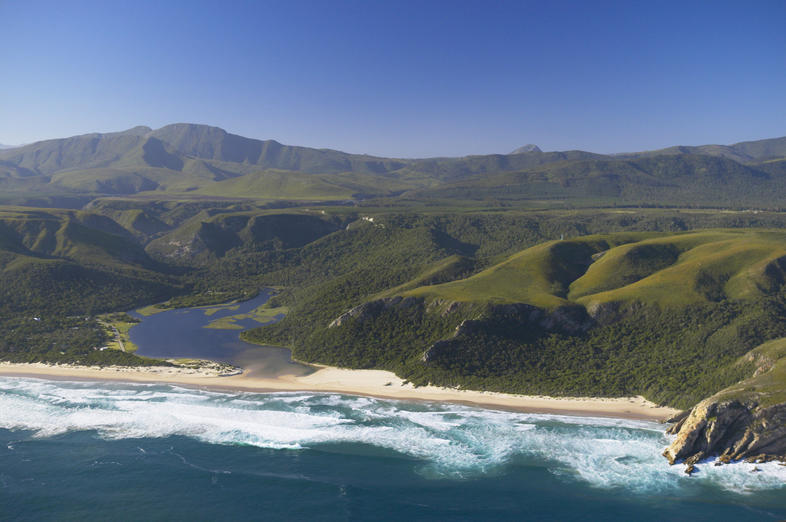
x=746, y=421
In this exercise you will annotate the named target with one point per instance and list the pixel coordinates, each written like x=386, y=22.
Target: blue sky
x=408, y=79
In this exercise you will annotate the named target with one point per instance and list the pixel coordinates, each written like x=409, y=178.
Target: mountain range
x=200, y=161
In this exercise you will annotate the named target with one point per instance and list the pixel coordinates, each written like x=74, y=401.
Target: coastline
x=326, y=379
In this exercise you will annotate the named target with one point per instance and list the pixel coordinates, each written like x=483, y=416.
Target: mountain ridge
x=181, y=159
x=755, y=149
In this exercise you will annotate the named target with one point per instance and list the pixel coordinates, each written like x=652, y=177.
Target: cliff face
x=572, y=319
x=374, y=308
x=744, y=421
x=521, y=317
x=732, y=429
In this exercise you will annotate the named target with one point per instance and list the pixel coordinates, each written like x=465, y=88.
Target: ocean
x=89, y=450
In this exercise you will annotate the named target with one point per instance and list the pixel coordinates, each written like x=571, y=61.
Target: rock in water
x=734, y=428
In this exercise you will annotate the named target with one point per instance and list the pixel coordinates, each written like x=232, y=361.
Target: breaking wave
x=448, y=440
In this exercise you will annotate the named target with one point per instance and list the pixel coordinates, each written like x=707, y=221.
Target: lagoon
x=183, y=333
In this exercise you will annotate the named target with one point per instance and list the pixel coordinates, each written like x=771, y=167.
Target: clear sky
x=398, y=78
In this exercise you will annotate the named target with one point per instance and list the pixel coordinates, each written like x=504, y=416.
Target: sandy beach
x=374, y=383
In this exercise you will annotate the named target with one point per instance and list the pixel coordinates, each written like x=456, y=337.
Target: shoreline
x=326, y=379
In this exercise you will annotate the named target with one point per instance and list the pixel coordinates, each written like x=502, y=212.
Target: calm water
x=75, y=451
x=181, y=333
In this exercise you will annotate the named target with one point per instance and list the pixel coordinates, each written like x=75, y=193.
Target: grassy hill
x=83, y=237
x=687, y=269
x=539, y=275
x=675, y=270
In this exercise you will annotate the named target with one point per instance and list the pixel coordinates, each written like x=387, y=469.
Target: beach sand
x=374, y=383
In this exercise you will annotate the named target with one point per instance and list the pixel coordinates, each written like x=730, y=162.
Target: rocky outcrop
x=519, y=316
x=438, y=348
x=374, y=308
x=604, y=313
x=568, y=319
x=611, y=311
x=731, y=428
x=444, y=307
x=744, y=421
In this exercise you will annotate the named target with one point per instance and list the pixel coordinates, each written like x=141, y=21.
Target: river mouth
x=183, y=333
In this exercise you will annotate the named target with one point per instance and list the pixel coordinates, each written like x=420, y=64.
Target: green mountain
x=743, y=152
x=214, y=144
x=199, y=161
x=684, y=179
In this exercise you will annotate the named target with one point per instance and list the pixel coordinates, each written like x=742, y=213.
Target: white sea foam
x=451, y=440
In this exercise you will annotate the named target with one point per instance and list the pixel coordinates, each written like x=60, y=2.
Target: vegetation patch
x=767, y=386
x=151, y=309
x=261, y=315
x=116, y=327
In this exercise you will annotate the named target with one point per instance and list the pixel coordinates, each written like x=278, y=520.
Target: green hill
x=693, y=268
x=539, y=275
x=675, y=270
x=83, y=237
x=204, y=238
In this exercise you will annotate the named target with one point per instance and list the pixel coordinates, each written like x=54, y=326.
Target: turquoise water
x=73, y=450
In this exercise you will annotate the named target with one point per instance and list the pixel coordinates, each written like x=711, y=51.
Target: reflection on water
x=181, y=333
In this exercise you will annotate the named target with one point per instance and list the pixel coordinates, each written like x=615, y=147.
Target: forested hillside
x=58, y=269
x=627, y=313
